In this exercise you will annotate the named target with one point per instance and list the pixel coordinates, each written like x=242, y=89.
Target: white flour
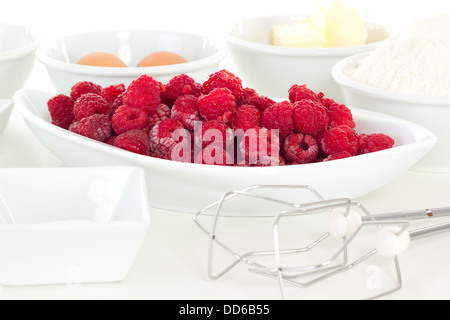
x=416, y=61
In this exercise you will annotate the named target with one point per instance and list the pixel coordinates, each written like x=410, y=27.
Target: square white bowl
x=188, y=187
x=6, y=107
x=70, y=225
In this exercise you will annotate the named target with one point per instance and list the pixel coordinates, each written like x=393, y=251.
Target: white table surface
x=172, y=261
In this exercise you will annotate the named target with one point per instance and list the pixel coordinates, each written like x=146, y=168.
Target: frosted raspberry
x=74, y=127
x=339, y=139
x=186, y=111
x=301, y=92
x=144, y=93
x=309, y=117
x=88, y=104
x=181, y=85
x=83, y=87
x=261, y=102
x=337, y=156
x=127, y=118
x=279, y=116
x=260, y=146
x=61, y=110
x=164, y=135
x=338, y=115
x=213, y=133
x=216, y=105
x=300, y=148
x=183, y=149
x=116, y=104
x=374, y=142
x=111, y=92
x=162, y=112
x=224, y=79
x=96, y=126
x=214, y=155
x=244, y=117
x=135, y=140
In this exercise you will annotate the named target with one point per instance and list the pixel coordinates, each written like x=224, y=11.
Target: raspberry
x=116, y=104
x=260, y=146
x=88, y=104
x=213, y=133
x=337, y=156
x=186, y=111
x=111, y=93
x=299, y=148
x=144, y=93
x=301, y=92
x=135, y=140
x=339, y=139
x=261, y=102
x=374, y=142
x=83, y=87
x=164, y=135
x=127, y=118
x=61, y=110
x=338, y=115
x=217, y=105
x=309, y=117
x=96, y=126
x=183, y=150
x=244, y=117
x=247, y=94
x=279, y=116
x=214, y=155
x=181, y=85
x=162, y=112
x=224, y=79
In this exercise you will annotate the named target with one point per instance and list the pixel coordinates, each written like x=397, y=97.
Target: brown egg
x=102, y=59
x=161, y=58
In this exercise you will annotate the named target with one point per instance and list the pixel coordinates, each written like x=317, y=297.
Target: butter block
x=347, y=29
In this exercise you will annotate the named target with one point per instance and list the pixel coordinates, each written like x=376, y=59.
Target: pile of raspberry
x=218, y=122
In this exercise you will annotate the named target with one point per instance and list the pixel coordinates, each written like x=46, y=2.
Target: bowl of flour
x=408, y=76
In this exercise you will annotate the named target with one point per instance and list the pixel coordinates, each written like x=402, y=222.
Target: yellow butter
x=347, y=29
x=301, y=34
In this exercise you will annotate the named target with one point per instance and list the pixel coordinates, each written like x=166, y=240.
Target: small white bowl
x=60, y=57
x=188, y=187
x=272, y=70
x=17, y=56
x=429, y=112
x=6, y=107
x=70, y=225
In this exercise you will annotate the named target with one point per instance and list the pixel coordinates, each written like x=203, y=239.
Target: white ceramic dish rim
x=5, y=104
x=338, y=74
x=41, y=55
x=423, y=137
x=21, y=50
x=286, y=51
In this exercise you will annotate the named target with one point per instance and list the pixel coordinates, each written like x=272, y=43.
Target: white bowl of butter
x=272, y=53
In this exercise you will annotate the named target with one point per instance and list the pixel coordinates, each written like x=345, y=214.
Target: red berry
x=143, y=93
x=260, y=146
x=337, y=156
x=300, y=148
x=186, y=111
x=214, y=155
x=127, y=118
x=279, y=117
x=181, y=85
x=338, y=115
x=213, y=133
x=301, y=92
x=135, y=140
x=224, y=79
x=111, y=93
x=83, y=87
x=340, y=139
x=96, y=126
x=61, y=110
x=244, y=117
x=218, y=104
x=162, y=112
x=309, y=117
x=374, y=142
x=164, y=135
x=88, y=104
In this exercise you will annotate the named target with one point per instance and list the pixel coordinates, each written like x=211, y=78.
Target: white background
x=175, y=267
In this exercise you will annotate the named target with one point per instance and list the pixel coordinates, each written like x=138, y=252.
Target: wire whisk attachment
x=325, y=254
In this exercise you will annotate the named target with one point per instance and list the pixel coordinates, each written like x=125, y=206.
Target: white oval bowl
x=272, y=70
x=6, y=107
x=429, y=112
x=17, y=57
x=60, y=56
x=188, y=187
